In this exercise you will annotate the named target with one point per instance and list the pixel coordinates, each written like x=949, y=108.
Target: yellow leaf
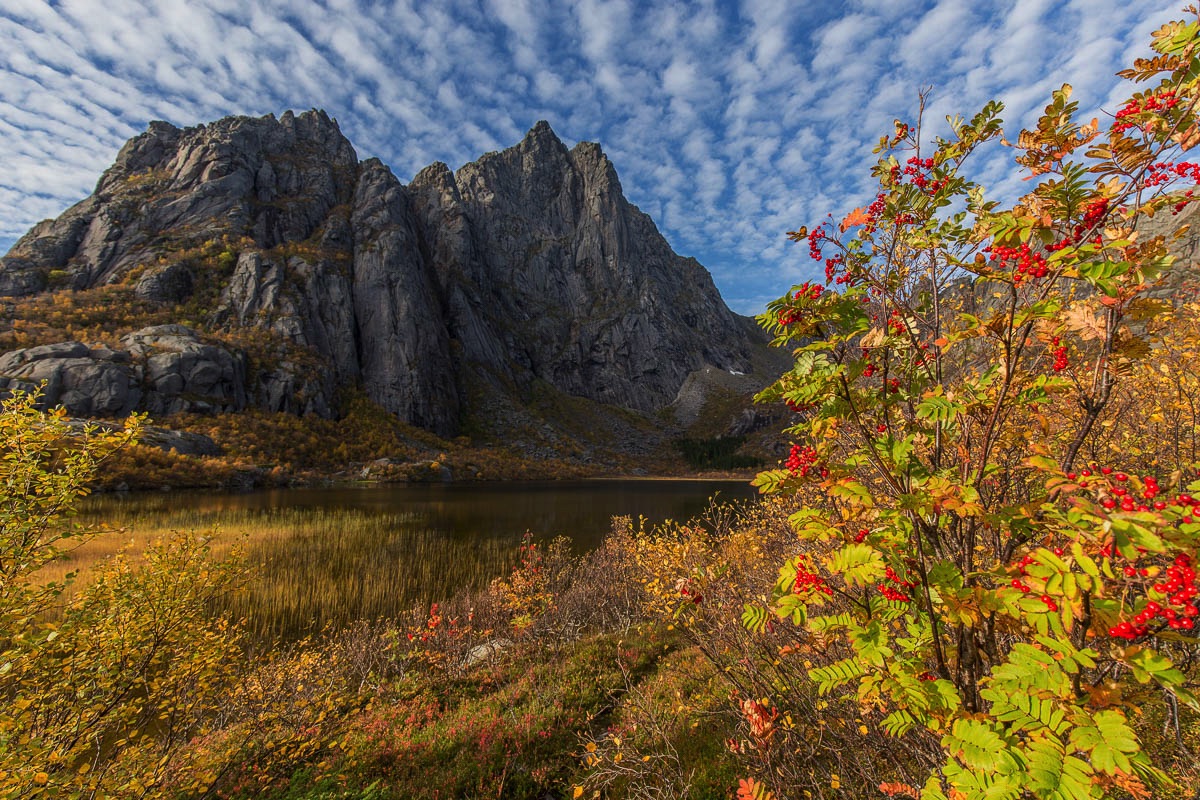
x=1089, y=325
x=578, y=792
x=873, y=338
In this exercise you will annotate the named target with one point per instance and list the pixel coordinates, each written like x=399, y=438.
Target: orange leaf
x=1189, y=138
x=750, y=789
x=858, y=216
x=893, y=789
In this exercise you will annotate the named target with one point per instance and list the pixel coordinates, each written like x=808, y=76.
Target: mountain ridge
x=280, y=248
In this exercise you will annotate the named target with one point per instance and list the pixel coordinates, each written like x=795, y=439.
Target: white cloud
x=729, y=123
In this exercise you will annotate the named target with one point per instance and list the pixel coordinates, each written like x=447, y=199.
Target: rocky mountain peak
x=524, y=269
x=541, y=138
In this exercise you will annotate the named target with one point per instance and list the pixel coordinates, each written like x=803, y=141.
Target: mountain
x=257, y=262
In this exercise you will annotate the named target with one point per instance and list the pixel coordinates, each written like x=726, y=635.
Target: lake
x=333, y=555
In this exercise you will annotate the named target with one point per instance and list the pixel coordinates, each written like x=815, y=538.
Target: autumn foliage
x=996, y=454
x=975, y=573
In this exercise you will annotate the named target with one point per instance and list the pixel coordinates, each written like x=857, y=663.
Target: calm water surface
x=332, y=555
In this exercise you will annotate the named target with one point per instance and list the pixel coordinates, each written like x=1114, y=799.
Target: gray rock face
x=182, y=373
x=405, y=352
x=163, y=370
x=182, y=442
x=86, y=381
x=526, y=266
x=550, y=273
x=274, y=180
x=172, y=283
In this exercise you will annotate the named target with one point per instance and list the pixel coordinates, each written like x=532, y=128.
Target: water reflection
x=332, y=555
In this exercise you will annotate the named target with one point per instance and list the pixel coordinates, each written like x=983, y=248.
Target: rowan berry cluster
x=808, y=581
x=787, y=316
x=810, y=291
x=832, y=265
x=802, y=461
x=1060, y=355
x=1165, y=172
x=1093, y=213
x=1171, y=598
x=897, y=592
x=1024, y=261
x=875, y=210
x=917, y=168
x=815, y=237
x=1178, y=592
x=1159, y=101
x=1017, y=583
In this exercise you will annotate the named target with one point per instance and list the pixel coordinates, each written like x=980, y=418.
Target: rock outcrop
x=303, y=270
x=164, y=370
x=87, y=381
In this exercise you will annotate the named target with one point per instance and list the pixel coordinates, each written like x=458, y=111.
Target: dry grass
x=309, y=567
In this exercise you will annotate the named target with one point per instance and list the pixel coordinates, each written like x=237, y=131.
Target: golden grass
x=309, y=567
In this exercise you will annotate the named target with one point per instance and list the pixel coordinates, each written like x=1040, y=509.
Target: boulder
x=181, y=372
x=86, y=381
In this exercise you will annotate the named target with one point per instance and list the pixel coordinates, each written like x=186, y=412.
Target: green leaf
x=870, y=642
x=769, y=481
x=939, y=409
x=1108, y=742
x=852, y=492
x=859, y=564
x=754, y=618
x=1148, y=664
x=898, y=723
x=793, y=608
x=978, y=745
x=837, y=674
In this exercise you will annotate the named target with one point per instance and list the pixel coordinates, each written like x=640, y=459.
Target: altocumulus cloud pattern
x=729, y=123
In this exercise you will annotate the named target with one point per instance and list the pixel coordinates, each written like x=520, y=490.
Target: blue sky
x=729, y=123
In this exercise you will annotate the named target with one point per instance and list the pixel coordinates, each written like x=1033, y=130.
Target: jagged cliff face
x=526, y=266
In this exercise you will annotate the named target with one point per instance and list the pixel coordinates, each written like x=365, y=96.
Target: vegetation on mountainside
x=974, y=577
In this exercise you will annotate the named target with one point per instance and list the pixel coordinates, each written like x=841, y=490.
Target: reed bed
x=309, y=568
